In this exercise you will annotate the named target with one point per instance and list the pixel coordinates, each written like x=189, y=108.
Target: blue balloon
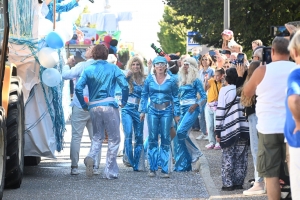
x=54, y=40
x=51, y=77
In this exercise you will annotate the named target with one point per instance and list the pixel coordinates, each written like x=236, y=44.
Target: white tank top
x=271, y=94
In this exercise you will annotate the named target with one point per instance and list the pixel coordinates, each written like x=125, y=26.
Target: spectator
x=249, y=103
x=258, y=54
x=270, y=110
x=232, y=133
x=292, y=123
x=212, y=86
x=256, y=43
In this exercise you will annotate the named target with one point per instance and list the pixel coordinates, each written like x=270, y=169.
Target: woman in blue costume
x=162, y=90
x=131, y=116
x=186, y=151
x=101, y=79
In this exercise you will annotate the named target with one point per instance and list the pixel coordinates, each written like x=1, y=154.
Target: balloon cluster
x=110, y=43
x=48, y=56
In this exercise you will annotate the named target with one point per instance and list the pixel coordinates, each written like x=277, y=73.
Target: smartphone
x=212, y=53
x=279, y=31
x=267, y=55
x=240, y=58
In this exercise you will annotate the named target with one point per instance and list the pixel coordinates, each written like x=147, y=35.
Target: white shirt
x=271, y=94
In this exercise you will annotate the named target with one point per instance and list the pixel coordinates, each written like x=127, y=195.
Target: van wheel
x=2, y=150
x=15, y=137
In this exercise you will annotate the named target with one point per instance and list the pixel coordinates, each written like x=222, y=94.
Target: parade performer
x=186, y=151
x=60, y=7
x=131, y=116
x=162, y=90
x=101, y=79
x=80, y=118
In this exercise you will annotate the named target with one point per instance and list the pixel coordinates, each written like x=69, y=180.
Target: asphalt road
x=51, y=179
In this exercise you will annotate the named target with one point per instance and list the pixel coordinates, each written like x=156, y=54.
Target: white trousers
x=79, y=120
x=295, y=172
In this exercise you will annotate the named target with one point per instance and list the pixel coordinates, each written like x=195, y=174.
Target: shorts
x=271, y=154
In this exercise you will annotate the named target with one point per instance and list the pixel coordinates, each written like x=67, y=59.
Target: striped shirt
x=233, y=126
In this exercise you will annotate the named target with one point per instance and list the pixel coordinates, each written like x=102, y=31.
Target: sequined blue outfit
x=186, y=151
x=101, y=79
x=131, y=121
x=164, y=104
x=60, y=8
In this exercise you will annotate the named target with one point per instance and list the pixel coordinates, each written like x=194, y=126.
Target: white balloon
x=45, y=27
x=65, y=29
x=51, y=77
x=48, y=57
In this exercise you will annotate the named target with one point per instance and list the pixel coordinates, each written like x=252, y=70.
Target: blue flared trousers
x=131, y=122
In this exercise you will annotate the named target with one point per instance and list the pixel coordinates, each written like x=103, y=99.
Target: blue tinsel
x=54, y=104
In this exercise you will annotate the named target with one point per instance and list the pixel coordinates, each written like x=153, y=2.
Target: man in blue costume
x=101, y=79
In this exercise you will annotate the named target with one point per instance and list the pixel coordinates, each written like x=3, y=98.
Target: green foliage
x=172, y=37
x=249, y=19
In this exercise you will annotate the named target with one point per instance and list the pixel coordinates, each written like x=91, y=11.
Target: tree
x=172, y=37
x=249, y=19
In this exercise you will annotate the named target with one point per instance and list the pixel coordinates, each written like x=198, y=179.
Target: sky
x=142, y=30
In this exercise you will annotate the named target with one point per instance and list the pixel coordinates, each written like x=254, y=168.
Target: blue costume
x=101, y=79
x=60, y=8
x=185, y=151
x=131, y=120
x=163, y=101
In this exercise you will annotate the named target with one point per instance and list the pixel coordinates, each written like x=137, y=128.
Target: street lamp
x=226, y=14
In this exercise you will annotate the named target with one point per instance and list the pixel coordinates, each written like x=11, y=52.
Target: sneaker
x=164, y=175
x=152, y=174
x=96, y=171
x=210, y=146
x=196, y=166
x=206, y=138
x=89, y=162
x=74, y=171
x=217, y=146
x=200, y=137
x=258, y=188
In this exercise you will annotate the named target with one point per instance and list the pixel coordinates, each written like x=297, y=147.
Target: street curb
x=205, y=174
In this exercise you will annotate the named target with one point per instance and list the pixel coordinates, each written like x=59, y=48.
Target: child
x=227, y=36
x=212, y=86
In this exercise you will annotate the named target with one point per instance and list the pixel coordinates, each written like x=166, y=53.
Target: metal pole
x=226, y=14
x=54, y=14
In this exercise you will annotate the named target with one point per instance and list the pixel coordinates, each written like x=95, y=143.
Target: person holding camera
x=232, y=133
x=270, y=110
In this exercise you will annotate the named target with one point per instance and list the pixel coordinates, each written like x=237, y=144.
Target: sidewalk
x=211, y=173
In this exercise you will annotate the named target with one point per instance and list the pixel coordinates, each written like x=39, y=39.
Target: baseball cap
x=227, y=32
x=159, y=59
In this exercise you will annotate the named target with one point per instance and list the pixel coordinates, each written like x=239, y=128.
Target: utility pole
x=226, y=14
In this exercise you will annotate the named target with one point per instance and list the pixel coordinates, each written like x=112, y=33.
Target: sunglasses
x=205, y=59
x=160, y=64
x=226, y=66
x=186, y=63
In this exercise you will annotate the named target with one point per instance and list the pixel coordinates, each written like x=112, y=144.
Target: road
x=51, y=179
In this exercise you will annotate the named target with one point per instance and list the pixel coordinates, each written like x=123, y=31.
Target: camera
x=279, y=31
x=240, y=58
x=267, y=55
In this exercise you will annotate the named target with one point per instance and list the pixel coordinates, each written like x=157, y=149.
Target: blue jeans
x=254, y=143
x=202, y=122
x=210, y=117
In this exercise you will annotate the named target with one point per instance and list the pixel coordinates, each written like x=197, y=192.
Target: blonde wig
x=192, y=75
x=137, y=77
x=249, y=101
